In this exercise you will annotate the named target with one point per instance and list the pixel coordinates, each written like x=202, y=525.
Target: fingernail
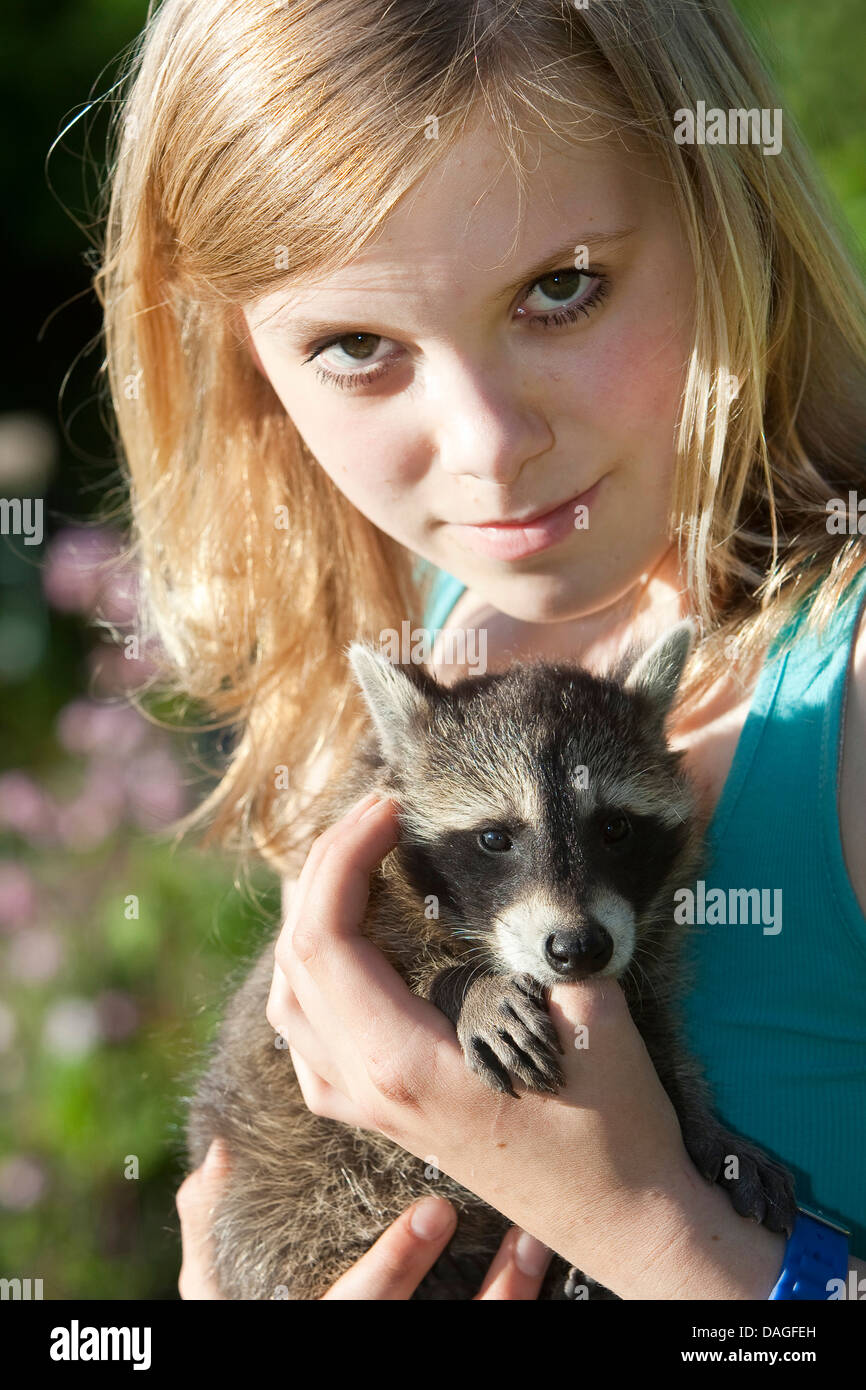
x=431, y=1218
x=377, y=806
x=530, y=1256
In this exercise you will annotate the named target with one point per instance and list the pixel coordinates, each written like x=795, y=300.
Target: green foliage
x=816, y=53
x=95, y=1233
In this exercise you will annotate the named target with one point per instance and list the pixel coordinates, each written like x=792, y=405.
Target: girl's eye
x=352, y=350
x=564, y=290
x=355, y=359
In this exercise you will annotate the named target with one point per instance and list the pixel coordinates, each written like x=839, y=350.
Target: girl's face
x=476, y=365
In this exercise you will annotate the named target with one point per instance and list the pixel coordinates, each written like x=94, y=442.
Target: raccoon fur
x=544, y=811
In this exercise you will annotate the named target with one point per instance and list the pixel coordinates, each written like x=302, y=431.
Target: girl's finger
x=518, y=1269
x=343, y=967
x=349, y=854
x=289, y=1022
x=349, y=993
x=322, y=1098
x=320, y=846
x=392, y=1269
x=346, y=855
x=312, y=1060
x=195, y=1200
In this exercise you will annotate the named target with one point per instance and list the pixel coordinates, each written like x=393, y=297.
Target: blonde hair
x=254, y=145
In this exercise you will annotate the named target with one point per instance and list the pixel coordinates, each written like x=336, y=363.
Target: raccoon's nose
x=579, y=952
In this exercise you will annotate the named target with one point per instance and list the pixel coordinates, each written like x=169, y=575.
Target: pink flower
x=113, y=671
x=88, y=819
x=35, y=955
x=85, y=726
x=156, y=794
x=22, y=1182
x=24, y=807
x=17, y=895
x=120, y=597
x=75, y=569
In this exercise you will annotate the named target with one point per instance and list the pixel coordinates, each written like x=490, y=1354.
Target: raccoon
x=543, y=812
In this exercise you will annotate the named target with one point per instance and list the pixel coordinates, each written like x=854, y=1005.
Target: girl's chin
x=556, y=596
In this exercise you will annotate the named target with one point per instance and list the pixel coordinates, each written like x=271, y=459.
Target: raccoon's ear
x=657, y=672
x=395, y=696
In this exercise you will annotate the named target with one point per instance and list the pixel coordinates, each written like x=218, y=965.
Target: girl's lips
x=516, y=542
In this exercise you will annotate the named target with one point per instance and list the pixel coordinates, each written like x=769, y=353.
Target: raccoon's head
x=541, y=807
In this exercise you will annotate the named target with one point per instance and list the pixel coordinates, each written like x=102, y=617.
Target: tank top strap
x=444, y=593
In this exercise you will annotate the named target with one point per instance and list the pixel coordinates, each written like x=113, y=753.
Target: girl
x=446, y=314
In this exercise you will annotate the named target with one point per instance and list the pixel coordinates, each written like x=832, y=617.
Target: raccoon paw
x=760, y=1188
x=505, y=1030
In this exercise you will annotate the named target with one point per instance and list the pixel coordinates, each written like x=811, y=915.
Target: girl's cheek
x=381, y=472
x=638, y=380
x=371, y=439
x=374, y=451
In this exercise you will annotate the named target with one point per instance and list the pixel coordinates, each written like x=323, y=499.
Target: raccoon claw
x=764, y=1192
x=762, y=1189
x=504, y=1030
x=525, y=984
x=482, y=1060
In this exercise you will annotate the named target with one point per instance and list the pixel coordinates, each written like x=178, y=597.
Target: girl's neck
x=657, y=601
x=596, y=640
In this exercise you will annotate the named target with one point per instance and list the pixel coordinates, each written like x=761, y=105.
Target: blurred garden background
x=115, y=944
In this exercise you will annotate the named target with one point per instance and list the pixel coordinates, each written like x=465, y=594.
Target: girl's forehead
x=474, y=181
x=471, y=213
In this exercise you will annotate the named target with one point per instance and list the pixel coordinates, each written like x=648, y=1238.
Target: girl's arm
x=610, y=1186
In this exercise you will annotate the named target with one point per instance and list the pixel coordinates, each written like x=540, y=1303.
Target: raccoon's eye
x=495, y=840
x=615, y=828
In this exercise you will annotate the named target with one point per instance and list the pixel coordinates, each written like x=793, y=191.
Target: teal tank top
x=778, y=1016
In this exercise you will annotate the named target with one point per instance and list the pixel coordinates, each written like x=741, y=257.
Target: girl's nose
x=487, y=424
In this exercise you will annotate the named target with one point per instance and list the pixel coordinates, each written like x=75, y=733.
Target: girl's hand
x=599, y=1172
x=391, y=1270
x=196, y=1197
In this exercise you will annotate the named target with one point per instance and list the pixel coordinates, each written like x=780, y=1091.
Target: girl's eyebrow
x=566, y=254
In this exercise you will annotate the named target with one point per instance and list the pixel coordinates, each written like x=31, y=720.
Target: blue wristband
x=817, y=1251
